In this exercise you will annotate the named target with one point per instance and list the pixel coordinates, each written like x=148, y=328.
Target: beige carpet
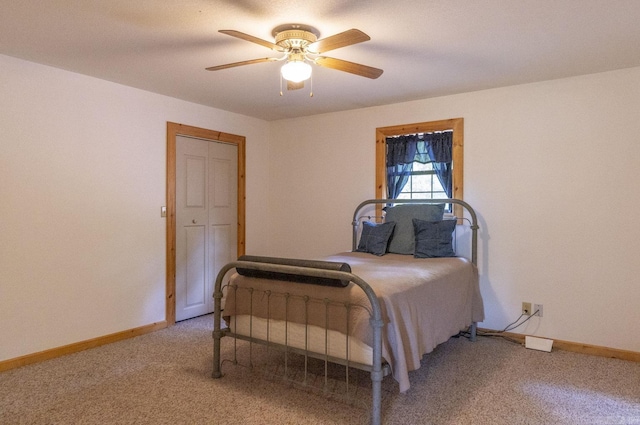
x=164, y=378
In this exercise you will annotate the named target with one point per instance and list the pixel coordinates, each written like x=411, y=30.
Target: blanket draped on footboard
x=424, y=302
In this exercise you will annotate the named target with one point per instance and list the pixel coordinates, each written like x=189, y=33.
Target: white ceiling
x=426, y=48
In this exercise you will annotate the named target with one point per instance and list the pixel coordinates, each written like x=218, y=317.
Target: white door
x=206, y=220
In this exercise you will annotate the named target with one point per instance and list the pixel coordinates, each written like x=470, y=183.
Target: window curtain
x=403, y=151
x=400, y=155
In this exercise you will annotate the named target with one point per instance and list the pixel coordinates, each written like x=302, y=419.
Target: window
x=423, y=181
x=423, y=184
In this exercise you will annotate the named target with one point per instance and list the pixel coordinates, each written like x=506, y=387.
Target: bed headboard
x=469, y=215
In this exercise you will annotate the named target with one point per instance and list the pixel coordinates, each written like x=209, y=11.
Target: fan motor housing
x=295, y=35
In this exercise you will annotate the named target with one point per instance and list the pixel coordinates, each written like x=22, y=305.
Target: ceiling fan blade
x=252, y=39
x=346, y=66
x=232, y=65
x=347, y=38
x=295, y=86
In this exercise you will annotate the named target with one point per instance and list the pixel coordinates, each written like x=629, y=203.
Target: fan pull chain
x=280, y=85
x=311, y=86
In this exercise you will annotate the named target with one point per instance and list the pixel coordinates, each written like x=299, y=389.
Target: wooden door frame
x=174, y=130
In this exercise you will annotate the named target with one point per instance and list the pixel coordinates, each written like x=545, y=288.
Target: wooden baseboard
x=79, y=346
x=576, y=347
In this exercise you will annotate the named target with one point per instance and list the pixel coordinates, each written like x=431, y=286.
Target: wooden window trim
x=455, y=124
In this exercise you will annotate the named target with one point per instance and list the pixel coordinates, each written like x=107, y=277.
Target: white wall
x=552, y=170
x=82, y=180
x=550, y=167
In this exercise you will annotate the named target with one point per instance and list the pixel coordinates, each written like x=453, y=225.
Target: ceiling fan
x=300, y=47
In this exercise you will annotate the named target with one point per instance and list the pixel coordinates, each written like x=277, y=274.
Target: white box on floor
x=536, y=343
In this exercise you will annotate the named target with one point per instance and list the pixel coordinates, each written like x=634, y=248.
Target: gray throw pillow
x=375, y=237
x=301, y=278
x=434, y=238
x=402, y=241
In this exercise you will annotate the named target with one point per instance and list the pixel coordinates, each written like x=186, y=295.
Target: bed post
x=473, y=331
x=217, y=319
x=376, y=372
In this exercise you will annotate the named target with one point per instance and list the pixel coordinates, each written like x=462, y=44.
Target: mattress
x=310, y=338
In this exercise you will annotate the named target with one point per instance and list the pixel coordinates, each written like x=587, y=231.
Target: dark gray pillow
x=402, y=241
x=434, y=238
x=316, y=264
x=375, y=237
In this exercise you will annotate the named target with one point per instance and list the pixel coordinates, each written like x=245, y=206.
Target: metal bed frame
x=379, y=368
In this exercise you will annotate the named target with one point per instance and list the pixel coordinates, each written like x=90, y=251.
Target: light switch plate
x=163, y=211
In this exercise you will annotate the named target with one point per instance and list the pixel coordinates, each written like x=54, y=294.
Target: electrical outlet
x=526, y=309
x=537, y=310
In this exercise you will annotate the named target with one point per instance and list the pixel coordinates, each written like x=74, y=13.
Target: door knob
x=194, y=221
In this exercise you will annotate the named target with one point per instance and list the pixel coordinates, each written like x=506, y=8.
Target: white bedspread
x=424, y=302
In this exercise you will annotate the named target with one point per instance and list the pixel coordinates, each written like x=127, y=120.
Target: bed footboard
x=375, y=320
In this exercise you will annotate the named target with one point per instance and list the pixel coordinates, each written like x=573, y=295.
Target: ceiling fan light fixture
x=300, y=48
x=296, y=71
